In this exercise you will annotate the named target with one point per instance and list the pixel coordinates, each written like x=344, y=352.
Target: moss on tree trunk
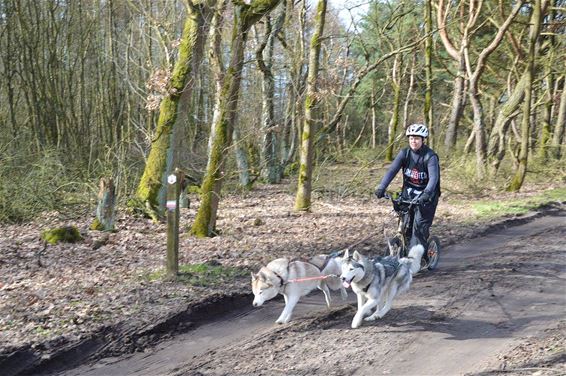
x=304, y=188
x=244, y=17
x=150, y=183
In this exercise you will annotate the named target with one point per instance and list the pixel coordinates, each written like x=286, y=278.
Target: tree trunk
x=373, y=117
x=428, y=109
x=244, y=18
x=496, y=147
x=534, y=33
x=479, y=129
x=198, y=13
x=558, y=135
x=303, y=198
x=394, y=122
x=546, y=131
x=217, y=67
x=409, y=93
x=241, y=159
x=295, y=88
x=457, y=108
x=264, y=56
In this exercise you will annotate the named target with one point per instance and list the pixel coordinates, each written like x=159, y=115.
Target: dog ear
x=347, y=254
x=357, y=256
x=254, y=276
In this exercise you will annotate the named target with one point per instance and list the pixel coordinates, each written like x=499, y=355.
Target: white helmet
x=417, y=130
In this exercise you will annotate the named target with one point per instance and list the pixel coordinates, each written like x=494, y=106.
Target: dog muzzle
x=347, y=282
x=257, y=302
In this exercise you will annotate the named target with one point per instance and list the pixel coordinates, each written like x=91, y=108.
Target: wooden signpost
x=174, y=182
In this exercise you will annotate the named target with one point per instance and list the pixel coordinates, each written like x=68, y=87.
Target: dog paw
x=371, y=318
x=283, y=320
x=356, y=323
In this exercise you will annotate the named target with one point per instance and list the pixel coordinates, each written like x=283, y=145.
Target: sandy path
x=488, y=296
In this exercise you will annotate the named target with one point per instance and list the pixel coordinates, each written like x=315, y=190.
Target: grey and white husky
x=377, y=282
x=295, y=279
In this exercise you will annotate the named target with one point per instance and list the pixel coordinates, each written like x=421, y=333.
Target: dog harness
x=294, y=280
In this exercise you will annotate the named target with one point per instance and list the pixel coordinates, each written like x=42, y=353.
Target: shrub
x=30, y=184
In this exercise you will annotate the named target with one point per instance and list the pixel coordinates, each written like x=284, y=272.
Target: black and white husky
x=377, y=282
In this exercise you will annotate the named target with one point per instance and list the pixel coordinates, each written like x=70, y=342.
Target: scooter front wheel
x=433, y=252
x=396, y=247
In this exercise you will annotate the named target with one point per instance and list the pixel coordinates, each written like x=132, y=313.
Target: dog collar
x=280, y=279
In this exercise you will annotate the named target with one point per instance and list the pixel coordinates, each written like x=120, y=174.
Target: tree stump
x=105, y=210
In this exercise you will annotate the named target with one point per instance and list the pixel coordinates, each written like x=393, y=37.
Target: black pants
x=423, y=217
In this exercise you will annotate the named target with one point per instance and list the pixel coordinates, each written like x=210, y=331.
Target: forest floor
x=106, y=296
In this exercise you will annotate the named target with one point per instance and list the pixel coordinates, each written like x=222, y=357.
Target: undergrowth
x=34, y=183
x=498, y=208
x=203, y=275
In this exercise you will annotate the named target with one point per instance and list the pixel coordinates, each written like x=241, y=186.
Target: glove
x=380, y=192
x=424, y=198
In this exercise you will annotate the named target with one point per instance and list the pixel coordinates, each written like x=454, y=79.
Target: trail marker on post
x=172, y=206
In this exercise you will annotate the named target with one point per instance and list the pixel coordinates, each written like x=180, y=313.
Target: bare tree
x=457, y=53
x=559, y=128
x=536, y=19
x=475, y=73
x=304, y=187
x=549, y=79
x=264, y=56
x=428, y=104
x=190, y=50
x=394, y=121
x=245, y=16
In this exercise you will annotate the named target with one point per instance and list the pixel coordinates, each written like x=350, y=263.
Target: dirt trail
x=489, y=298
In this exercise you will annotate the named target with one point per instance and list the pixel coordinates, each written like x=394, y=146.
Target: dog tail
x=415, y=254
